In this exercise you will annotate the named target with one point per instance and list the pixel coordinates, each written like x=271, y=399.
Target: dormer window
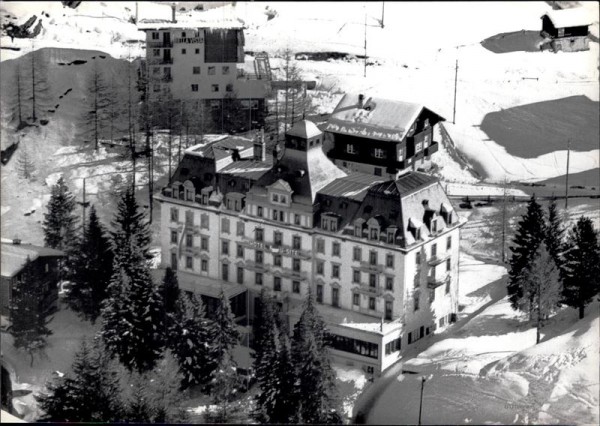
x=275, y=198
x=391, y=234
x=329, y=222
x=374, y=233
x=434, y=227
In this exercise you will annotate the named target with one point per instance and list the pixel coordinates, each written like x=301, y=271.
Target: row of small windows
x=215, y=88
x=279, y=215
x=375, y=152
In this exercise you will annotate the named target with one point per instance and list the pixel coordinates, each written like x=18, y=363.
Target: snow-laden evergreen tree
x=134, y=331
x=88, y=393
x=224, y=384
x=153, y=396
x=541, y=288
x=190, y=341
x=582, y=265
x=554, y=234
x=92, y=267
x=277, y=401
x=28, y=313
x=130, y=228
x=265, y=337
x=531, y=231
x=170, y=293
x=267, y=348
x=60, y=222
x=223, y=334
x=315, y=390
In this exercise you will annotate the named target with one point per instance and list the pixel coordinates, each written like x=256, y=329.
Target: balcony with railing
x=160, y=44
x=438, y=258
x=435, y=281
x=370, y=267
x=160, y=61
x=282, y=249
x=366, y=288
x=434, y=147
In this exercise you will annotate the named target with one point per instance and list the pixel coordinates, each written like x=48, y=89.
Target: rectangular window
x=418, y=258
x=156, y=52
x=274, y=214
x=204, y=265
x=240, y=275
x=355, y=346
x=416, y=301
x=389, y=260
x=225, y=247
x=214, y=87
x=229, y=87
x=259, y=211
x=259, y=234
x=372, y=280
x=189, y=217
x=174, y=261
x=377, y=171
x=211, y=70
x=204, y=223
x=373, y=257
x=189, y=240
x=319, y=293
x=277, y=283
x=388, y=310
x=296, y=242
x=240, y=229
x=277, y=259
x=296, y=286
x=189, y=262
x=240, y=251
x=389, y=283
x=204, y=243
x=357, y=254
x=335, y=297
x=296, y=265
x=433, y=225
x=225, y=225
x=197, y=51
x=296, y=219
x=378, y=153
x=433, y=250
x=355, y=276
x=320, y=245
x=449, y=243
x=258, y=278
x=335, y=249
x=320, y=267
x=448, y=264
x=372, y=303
x=225, y=70
x=195, y=70
x=277, y=238
x=194, y=87
x=258, y=257
x=155, y=36
x=174, y=215
x=335, y=271
x=448, y=286
x=356, y=299
x=173, y=237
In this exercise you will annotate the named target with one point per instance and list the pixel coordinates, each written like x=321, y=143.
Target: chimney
x=361, y=98
x=173, y=13
x=17, y=241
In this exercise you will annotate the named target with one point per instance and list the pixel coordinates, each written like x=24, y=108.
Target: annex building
x=380, y=255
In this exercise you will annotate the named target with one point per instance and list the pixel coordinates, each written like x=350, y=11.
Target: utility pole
x=567, y=179
x=382, y=12
x=84, y=205
x=33, y=82
x=504, y=221
x=423, y=380
x=455, y=84
x=365, y=70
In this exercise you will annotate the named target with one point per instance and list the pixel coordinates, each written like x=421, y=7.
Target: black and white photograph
x=261, y=212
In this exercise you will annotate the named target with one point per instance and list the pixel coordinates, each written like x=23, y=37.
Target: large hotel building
x=379, y=254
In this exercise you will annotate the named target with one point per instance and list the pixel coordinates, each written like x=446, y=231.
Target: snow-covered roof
x=377, y=118
x=166, y=24
x=14, y=256
x=575, y=17
x=304, y=129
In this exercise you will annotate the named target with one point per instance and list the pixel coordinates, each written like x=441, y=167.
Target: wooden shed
x=566, y=29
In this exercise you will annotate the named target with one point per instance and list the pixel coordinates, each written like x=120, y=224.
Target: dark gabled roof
x=412, y=181
x=248, y=169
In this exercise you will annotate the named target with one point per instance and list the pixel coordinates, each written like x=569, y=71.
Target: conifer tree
x=315, y=390
x=60, y=221
x=28, y=314
x=133, y=331
x=541, y=288
x=224, y=385
x=91, y=270
x=26, y=167
x=98, y=103
x=88, y=393
x=224, y=334
x=554, y=234
x=265, y=338
x=530, y=234
x=582, y=265
x=190, y=342
x=169, y=291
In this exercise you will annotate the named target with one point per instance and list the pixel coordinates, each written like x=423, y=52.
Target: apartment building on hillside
x=380, y=255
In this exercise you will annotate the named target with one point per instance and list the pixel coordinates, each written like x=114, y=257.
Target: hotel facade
x=379, y=255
